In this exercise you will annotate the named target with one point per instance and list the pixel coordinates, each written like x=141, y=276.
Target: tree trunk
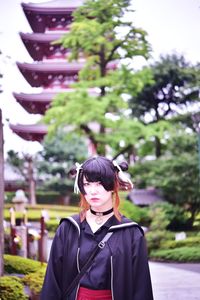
x=1, y=197
x=32, y=196
x=157, y=147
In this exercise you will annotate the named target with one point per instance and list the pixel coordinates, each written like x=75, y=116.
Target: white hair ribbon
x=121, y=174
x=78, y=168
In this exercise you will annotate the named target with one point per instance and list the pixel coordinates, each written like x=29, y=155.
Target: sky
x=172, y=25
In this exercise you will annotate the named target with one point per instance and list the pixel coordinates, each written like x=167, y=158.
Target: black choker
x=99, y=215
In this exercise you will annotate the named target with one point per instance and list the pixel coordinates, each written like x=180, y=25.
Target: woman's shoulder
x=129, y=224
x=71, y=222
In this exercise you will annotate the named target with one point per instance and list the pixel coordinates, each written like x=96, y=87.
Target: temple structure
x=49, y=69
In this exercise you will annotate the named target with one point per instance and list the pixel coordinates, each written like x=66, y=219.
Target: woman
x=120, y=270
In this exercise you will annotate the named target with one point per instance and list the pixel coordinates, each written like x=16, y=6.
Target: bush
x=52, y=225
x=176, y=216
x=34, y=214
x=135, y=213
x=21, y=265
x=35, y=281
x=155, y=239
x=183, y=254
x=11, y=288
x=157, y=233
x=47, y=197
x=188, y=242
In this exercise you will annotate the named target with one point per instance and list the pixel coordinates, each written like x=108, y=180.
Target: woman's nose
x=93, y=189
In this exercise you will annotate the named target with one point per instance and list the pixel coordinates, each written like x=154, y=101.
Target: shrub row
x=35, y=214
x=20, y=265
x=188, y=242
x=11, y=288
x=35, y=280
x=182, y=254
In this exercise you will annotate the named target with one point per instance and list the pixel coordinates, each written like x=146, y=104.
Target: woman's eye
x=86, y=183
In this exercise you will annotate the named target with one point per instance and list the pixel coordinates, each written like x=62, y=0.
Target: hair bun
x=72, y=171
x=124, y=166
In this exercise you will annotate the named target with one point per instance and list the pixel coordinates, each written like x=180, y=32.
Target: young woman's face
x=97, y=196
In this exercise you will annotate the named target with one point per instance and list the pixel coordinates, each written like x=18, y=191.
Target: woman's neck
x=95, y=221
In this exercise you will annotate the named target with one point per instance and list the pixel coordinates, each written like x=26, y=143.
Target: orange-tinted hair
x=116, y=201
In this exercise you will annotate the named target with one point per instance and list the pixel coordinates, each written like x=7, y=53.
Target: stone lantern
x=18, y=224
x=19, y=201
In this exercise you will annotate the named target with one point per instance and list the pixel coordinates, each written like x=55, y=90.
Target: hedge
x=20, y=265
x=35, y=214
x=52, y=225
x=47, y=197
x=135, y=213
x=182, y=254
x=11, y=288
x=35, y=281
x=188, y=242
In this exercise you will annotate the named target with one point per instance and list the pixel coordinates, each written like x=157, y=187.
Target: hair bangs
x=98, y=170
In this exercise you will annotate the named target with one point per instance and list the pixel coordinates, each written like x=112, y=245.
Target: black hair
x=99, y=169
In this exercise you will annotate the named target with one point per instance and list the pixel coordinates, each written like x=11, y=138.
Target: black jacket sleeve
x=52, y=289
x=142, y=280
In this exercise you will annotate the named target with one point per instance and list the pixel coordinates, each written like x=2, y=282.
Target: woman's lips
x=94, y=199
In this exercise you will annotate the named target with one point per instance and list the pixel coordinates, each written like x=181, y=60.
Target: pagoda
x=49, y=69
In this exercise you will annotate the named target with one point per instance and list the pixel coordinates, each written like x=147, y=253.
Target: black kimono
x=129, y=270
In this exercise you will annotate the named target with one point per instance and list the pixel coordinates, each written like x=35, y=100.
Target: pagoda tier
x=34, y=132
x=50, y=74
x=53, y=74
x=39, y=103
x=39, y=45
x=52, y=15
x=35, y=103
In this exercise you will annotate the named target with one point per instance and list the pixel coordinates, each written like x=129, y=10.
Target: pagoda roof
x=53, y=6
x=39, y=45
x=34, y=132
x=50, y=15
x=52, y=74
x=35, y=103
x=40, y=102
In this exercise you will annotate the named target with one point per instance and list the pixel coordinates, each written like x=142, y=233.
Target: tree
x=174, y=89
x=101, y=34
x=25, y=166
x=58, y=155
x=176, y=173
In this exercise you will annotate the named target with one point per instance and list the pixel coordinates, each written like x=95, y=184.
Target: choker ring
x=99, y=215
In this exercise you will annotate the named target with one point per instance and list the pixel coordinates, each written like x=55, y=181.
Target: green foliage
x=188, y=242
x=156, y=238
x=182, y=254
x=176, y=176
x=95, y=31
x=52, y=225
x=175, y=82
x=60, y=152
x=47, y=197
x=35, y=280
x=173, y=90
x=11, y=288
x=101, y=34
x=135, y=213
x=34, y=215
x=175, y=215
x=157, y=232
x=17, y=264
